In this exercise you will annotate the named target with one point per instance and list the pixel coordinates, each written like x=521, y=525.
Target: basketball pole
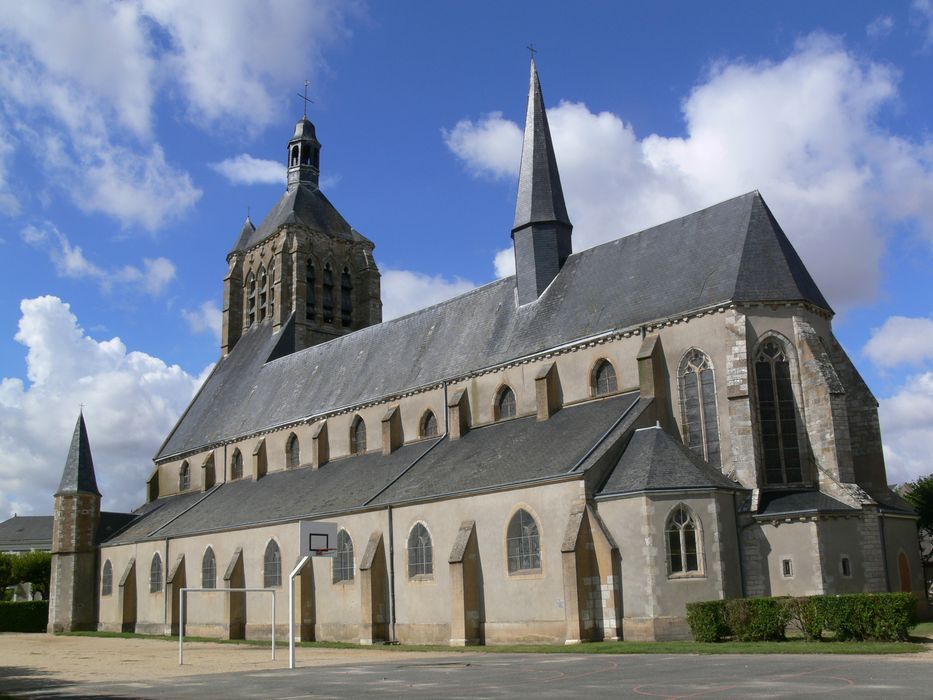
x=291, y=608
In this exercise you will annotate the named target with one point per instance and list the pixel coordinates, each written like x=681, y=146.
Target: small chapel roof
x=734, y=251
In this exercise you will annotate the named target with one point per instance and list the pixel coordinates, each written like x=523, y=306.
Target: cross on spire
x=533, y=50
x=306, y=98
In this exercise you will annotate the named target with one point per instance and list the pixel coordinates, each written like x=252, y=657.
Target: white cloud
x=69, y=260
x=805, y=131
x=504, y=262
x=901, y=340
x=907, y=428
x=9, y=204
x=922, y=11
x=131, y=400
x=246, y=170
x=404, y=291
x=207, y=318
x=880, y=27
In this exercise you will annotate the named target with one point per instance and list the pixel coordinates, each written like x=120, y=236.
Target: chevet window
x=346, y=298
x=328, y=305
x=236, y=465
x=209, y=570
x=420, y=552
x=604, y=378
x=777, y=415
x=698, y=406
x=428, y=425
x=343, y=559
x=523, y=546
x=106, y=579
x=184, y=477
x=683, y=542
x=505, y=403
x=358, y=436
x=292, y=452
x=155, y=574
x=310, y=298
x=272, y=566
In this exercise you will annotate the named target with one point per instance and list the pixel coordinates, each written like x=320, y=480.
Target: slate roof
x=516, y=451
x=707, y=258
x=781, y=503
x=26, y=532
x=540, y=196
x=302, y=205
x=655, y=461
x=78, y=475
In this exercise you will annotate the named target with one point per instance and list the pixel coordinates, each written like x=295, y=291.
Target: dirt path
x=99, y=659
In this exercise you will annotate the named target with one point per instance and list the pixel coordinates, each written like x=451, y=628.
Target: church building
x=571, y=453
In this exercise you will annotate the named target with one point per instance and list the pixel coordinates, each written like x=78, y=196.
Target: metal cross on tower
x=533, y=50
x=306, y=98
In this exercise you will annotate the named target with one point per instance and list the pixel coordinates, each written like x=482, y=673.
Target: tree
x=6, y=573
x=920, y=495
x=34, y=568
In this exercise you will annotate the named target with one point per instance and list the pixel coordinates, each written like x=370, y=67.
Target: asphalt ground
x=543, y=676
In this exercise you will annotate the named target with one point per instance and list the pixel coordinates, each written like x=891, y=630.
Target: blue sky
x=135, y=136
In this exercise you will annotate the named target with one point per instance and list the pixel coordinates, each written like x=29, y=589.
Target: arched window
x=420, y=552
x=683, y=554
x=251, y=298
x=263, y=292
x=777, y=415
x=346, y=298
x=522, y=544
x=106, y=579
x=272, y=566
x=698, y=406
x=271, y=304
x=328, y=305
x=155, y=574
x=292, y=452
x=604, y=378
x=505, y=403
x=294, y=155
x=428, y=425
x=310, y=298
x=358, y=436
x=184, y=477
x=209, y=570
x=236, y=466
x=343, y=559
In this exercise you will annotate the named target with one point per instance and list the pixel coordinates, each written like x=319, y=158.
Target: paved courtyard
x=42, y=666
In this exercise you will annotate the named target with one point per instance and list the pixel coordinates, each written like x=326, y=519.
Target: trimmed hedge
x=25, y=616
x=885, y=617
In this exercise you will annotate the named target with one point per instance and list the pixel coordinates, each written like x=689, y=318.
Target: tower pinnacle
x=78, y=475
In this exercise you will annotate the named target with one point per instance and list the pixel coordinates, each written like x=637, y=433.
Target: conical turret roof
x=78, y=476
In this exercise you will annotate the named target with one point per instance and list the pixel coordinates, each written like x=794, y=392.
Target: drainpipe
x=392, y=638
x=884, y=550
x=738, y=541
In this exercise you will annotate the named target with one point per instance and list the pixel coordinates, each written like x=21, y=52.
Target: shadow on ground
x=17, y=680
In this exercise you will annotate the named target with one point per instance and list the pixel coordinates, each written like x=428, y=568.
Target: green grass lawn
x=790, y=646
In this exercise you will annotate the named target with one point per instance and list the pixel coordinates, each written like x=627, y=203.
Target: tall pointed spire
x=542, y=228
x=78, y=476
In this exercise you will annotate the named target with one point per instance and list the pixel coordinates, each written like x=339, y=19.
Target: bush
x=757, y=619
x=27, y=616
x=806, y=614
x=884, y=617
x=707, y=620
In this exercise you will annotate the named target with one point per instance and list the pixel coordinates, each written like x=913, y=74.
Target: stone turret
x=73, y=589
x=542, y=228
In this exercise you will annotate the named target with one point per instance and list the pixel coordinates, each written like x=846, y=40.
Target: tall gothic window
x=346, y=298
x=604, y=378
x=328, y=305
x=505, y=403
x=292, y=452
x=106, y=579
x=209, y=570
x=310, y=299
x=420, y=552
x=428, y=424
x=683, y=554
x=343, y=560
x=777, y=415
x=155, y=574
x=263, y=292
x=236, y=465
x=523, y=545
x=294, y=160
x=272, y=566
x=698, y=406
x=184, y=477
x=271, y=304
x=251, y=298
x=358, y=436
